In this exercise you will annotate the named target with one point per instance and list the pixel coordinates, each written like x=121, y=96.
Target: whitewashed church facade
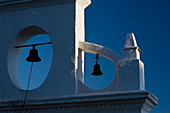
x=64, y=90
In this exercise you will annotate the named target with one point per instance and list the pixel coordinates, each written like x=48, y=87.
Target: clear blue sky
x=107, y=23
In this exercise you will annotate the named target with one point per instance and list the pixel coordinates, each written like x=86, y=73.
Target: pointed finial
x=130, y=41
x=131, y=49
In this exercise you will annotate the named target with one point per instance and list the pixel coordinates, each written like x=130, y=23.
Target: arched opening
x=109, y=62
x=107, y=68
x=19, y=68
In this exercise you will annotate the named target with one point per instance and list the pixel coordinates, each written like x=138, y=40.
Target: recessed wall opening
x=107, y=68
x=41, y=69
x=19, y=68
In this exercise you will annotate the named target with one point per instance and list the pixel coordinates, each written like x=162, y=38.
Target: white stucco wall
x=63, y=21
x=58, y=21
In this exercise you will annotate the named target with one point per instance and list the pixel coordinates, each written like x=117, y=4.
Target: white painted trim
x=84, y=3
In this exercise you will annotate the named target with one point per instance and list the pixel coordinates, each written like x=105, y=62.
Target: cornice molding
x=76, y=108
x=131, y=100
x=13, y=5
x=10, y=2
x=14, y=2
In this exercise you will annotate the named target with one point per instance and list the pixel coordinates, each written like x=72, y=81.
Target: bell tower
x=64, y=90
x=63, y=21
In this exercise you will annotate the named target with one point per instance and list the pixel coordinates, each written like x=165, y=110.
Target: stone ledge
x=88, y=102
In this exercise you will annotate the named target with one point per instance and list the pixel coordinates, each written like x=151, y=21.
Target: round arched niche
x=21, y=38
x=107, y=67
x=111, y=67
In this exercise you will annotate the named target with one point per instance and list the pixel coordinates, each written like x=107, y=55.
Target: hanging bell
x=96, y=70
x=33, y=56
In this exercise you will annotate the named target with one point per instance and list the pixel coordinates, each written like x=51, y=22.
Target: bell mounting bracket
x=33, y=45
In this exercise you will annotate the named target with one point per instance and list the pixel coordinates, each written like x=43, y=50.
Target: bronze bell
x=33, y=56
x=96, y=70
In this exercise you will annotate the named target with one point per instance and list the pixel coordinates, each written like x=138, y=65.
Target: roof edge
x=14, y=2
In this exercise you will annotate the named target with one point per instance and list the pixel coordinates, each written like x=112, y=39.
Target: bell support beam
x=33, y=45
x=102, y=51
